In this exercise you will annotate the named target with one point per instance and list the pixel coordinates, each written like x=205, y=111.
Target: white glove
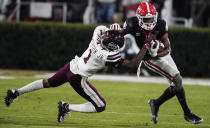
x=153, y=51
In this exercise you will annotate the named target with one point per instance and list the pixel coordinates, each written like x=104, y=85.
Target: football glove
x=154, y=48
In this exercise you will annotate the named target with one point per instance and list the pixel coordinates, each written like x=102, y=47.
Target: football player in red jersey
x=145, y=24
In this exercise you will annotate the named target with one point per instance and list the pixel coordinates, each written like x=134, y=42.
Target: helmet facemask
x=111, y=46
x=112, y=40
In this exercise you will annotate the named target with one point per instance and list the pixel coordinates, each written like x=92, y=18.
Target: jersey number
x=88, y=57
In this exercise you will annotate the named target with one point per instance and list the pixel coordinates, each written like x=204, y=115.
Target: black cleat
x=62, y=111
x=193, y=118
x=154, y=110
x=11, y=95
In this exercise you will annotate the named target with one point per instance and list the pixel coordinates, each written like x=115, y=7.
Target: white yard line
x=142, y=79
x=159, y=80
x=6, y=77
x=95, y=119
x=32, y=125
x=108, y=112
x=126, y=78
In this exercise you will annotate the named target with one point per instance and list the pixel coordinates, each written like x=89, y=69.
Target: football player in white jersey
x=104, y=47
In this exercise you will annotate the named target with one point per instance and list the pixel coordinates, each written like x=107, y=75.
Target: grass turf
x=127, y=106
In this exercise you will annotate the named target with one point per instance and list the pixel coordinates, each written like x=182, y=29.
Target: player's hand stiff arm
x=136, y=60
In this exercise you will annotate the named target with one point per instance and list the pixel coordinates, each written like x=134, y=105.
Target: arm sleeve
x=98, y=32
x=113, y=57
x=96, y=39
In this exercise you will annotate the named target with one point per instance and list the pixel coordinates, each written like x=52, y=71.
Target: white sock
x=86, y=107
x=38, y=84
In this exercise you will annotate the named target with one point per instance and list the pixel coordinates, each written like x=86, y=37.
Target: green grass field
x=126, y=106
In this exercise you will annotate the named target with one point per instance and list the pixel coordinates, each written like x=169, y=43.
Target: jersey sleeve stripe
x=109, y=56
x=114, y=58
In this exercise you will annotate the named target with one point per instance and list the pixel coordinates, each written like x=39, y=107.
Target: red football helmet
x=112, y=40
x=147, y=15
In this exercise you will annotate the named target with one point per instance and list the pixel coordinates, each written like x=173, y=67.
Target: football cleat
x=154, y=110
x=193, y=118
x=62, y=110
x=11, y=95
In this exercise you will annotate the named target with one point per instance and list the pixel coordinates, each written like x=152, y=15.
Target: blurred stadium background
x=185, y=13
x=43, y=35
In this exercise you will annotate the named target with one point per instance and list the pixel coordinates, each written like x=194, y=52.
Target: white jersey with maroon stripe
x=95, y=57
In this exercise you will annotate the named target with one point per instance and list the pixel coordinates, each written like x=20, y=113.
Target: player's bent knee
x=178, y=81
x=172, y=89
x=46, y=84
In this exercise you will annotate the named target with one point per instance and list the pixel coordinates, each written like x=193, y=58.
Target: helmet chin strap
x=113, y=47
x=146, y=32
x=148, y=26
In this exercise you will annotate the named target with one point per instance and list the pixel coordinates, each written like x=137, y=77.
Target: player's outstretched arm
x=137, y=59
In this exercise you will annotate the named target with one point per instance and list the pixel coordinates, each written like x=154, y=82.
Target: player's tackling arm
x=166, y=42
x=136, y=60
x=139, y=57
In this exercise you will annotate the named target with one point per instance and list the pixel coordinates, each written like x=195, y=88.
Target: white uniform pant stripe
x=90, y=92
x=156, y=70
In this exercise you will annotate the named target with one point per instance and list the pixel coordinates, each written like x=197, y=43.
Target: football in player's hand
x=161, y=45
